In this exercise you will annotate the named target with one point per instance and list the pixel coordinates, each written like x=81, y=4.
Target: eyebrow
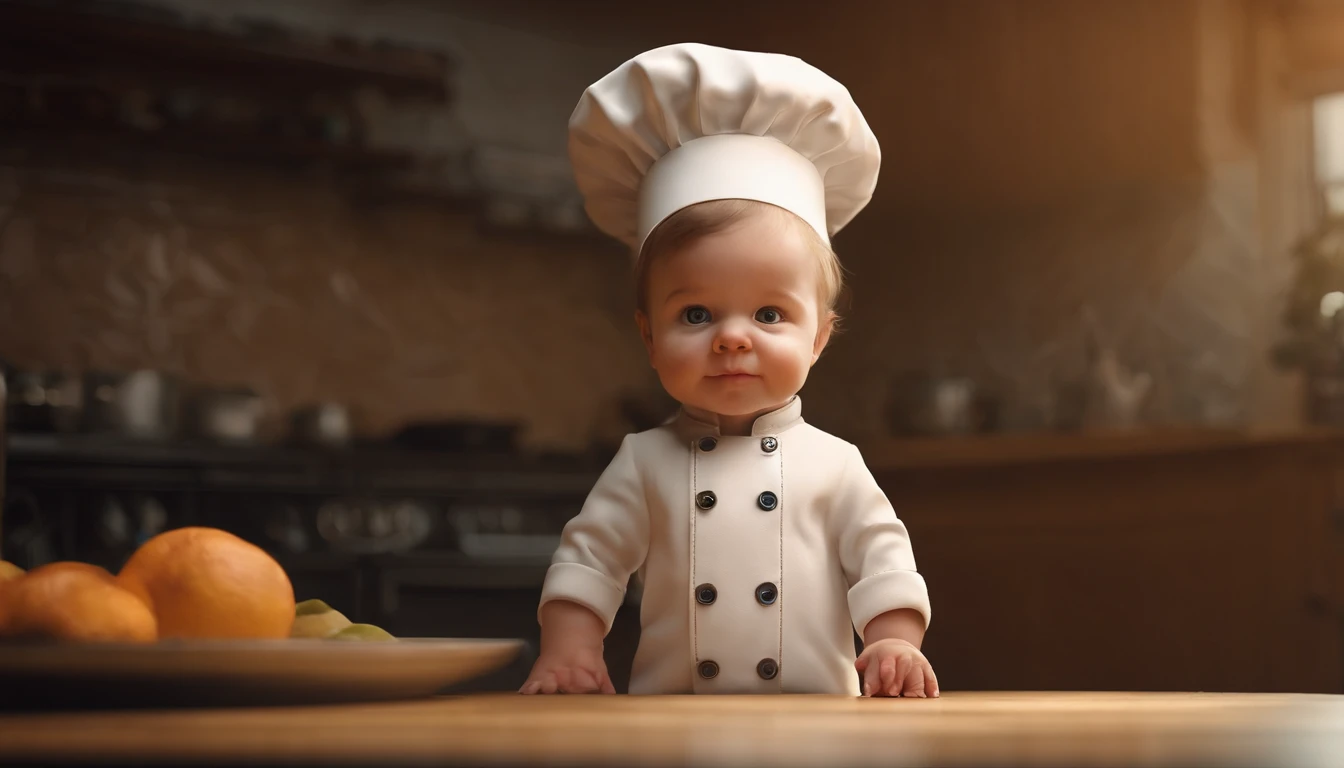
x=773, y=295
x=785, y=295
x=677, y=293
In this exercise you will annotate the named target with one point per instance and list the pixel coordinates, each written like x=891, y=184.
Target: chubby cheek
x=678, y=357
x=785, y=362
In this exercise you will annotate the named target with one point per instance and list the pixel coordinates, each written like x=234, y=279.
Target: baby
x=763, y=543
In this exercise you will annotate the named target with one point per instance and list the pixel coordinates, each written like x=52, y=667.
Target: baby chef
x=760, y=540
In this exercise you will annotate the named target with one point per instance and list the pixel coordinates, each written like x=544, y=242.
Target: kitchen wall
x=1042, y=159
x=249, y=276
x=249, y=279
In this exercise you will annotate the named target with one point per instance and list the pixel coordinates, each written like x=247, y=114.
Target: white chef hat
x=689, y=123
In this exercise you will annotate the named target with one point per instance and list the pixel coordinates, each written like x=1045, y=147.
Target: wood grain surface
x=979, y=729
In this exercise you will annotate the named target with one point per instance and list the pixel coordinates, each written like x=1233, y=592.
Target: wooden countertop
x=972, y=729
x=1050, y=447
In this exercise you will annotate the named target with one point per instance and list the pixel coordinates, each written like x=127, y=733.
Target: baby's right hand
x=569, y=671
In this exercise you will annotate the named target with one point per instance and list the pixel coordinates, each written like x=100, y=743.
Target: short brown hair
x=703, y=219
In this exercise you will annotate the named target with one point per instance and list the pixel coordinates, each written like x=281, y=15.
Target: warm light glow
x=1329, y=119
x=1331, y=303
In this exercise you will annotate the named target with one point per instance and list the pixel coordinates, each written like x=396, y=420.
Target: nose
x=732, y=337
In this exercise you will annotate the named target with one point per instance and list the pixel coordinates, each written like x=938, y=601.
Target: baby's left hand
x=896, y=668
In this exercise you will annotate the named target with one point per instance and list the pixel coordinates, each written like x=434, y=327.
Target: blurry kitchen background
x=315, y=271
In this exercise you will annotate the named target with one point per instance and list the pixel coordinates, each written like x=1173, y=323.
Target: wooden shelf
x=1009, y=450
x=81, y=37
x=278, y=151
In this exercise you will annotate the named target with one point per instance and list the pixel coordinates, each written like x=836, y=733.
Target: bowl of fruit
x=198, y=616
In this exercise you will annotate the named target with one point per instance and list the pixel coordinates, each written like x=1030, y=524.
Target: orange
x=72, y=566
x=73, y=601
x=208, y=583
x=9, y=571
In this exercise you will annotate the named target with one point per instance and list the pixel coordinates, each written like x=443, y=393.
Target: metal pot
x=939, y=405
x=323, y=424
x=229, y=415
x=141, y=404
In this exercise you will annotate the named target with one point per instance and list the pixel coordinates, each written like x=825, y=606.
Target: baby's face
x=734, y=322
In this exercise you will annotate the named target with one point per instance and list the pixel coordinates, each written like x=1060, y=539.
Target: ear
x=823, y=335
x=645, y=332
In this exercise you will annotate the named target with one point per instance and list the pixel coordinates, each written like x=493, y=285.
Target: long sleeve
x=605, y=543
x=875, y=550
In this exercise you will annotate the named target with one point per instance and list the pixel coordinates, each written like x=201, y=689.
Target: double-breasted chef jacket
x=757, y=555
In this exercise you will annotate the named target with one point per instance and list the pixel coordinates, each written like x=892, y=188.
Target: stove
x=421, y=542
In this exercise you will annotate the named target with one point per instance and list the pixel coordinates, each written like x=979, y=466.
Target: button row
x=767, y=669
x=768, y=444
x=766, y=594
x=706, y=500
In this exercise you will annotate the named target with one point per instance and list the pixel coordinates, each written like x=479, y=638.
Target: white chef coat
x=759, y=556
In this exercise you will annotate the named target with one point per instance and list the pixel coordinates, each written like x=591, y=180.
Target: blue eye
x=768, y=315
x=695, y=315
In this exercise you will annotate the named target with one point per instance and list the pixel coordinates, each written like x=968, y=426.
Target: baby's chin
x=735, y=404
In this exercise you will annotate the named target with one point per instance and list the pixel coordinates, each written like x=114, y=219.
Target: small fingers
x=582, y=681
x=930, y=680
x=888, y=671
x=872, y=680
x=607, y=687
x=548, y=684
x=914, y=681
x=903, y=666
x=564, y=679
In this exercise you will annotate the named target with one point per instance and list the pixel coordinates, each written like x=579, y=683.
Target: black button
x=766, y=594
x=767, y=501
x=706, y=594
x=709, y=670
x=708, y=443
x=767, y=669
x=705, y=499
x=769, y=444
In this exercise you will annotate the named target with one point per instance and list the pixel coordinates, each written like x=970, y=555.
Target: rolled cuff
x=888, y=591
x=586, y=586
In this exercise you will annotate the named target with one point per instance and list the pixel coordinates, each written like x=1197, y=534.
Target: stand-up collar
x=694, y=423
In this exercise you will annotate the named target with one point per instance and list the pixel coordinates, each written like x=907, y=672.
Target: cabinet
x=1197, y=562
